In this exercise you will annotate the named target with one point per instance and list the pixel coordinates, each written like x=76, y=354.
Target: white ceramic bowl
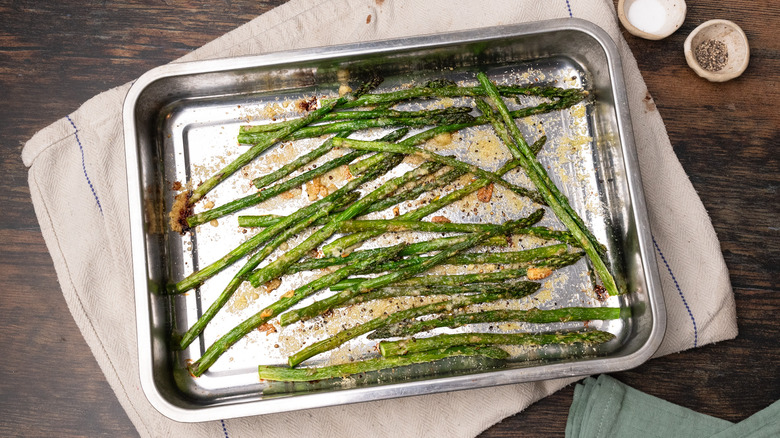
x=736, y=44
x=652, y=19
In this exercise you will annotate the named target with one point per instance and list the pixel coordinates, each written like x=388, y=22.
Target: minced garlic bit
x=485, y=194
x=272, y=285
x=539, y=273
x=315, y=188
x=268, y=328
x=344, y=89
x=214, y=223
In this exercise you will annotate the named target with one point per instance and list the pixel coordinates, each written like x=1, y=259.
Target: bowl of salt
x=651, y=19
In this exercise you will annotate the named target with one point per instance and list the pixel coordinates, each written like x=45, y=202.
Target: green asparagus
x=417, y=345
x=380, y=363
x=534, y=315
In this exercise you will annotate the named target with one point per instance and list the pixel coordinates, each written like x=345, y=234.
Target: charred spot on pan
x=307, y=104
x=601, y=293
x=180, y=211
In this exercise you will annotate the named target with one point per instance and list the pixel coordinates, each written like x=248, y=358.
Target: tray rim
x=492, y=378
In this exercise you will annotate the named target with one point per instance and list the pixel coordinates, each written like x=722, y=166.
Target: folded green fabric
x=604, y=407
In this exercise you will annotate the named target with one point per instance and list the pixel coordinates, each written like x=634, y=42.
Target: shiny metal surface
x=181, y=121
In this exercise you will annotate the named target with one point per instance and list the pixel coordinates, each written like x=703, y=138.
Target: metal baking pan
x=180, y=120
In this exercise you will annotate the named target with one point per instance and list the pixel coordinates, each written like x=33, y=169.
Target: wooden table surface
x=55, y=55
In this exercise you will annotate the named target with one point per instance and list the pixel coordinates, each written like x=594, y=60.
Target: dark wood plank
x=55, y=55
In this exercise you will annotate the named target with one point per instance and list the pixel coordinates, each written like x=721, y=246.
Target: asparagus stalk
x=360, y=329
x=458, y=280
x=357, y=125
x=518, y=290
x=358, y=115
x=417, y=345
x=432, y=89
x=280, y=265
x=281, y=187
x=220, y=346
x=393, y=225
x=520, y=150
x=328, y=372
x=413, y=249
x=537, y=316
x=339, y=300
x=258, y=221
x=480, y=258
x=400, y=148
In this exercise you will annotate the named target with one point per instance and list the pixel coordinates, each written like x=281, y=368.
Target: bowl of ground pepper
x=717, y=50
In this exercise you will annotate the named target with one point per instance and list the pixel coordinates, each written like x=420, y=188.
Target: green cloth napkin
x=604, y=407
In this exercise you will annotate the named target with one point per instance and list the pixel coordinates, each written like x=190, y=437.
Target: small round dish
x=652, y=19
x=717, y=50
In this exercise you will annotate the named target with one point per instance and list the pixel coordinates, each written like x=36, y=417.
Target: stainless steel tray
x=182, y=119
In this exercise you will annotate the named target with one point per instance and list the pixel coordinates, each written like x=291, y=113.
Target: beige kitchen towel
x=77, y=183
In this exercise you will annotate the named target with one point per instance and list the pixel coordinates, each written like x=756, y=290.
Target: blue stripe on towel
x=680, y=292
x=84, y=164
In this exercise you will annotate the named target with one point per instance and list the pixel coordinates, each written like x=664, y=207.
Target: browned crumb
x=440, y=220
x=177, y=186
x=396, y=211
x=180, y=211
x=307, y=104
x=272, y=285
x=539, y=273
x=268, y=328
x=485, y=194
x=315, y=188
x=601, y=293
